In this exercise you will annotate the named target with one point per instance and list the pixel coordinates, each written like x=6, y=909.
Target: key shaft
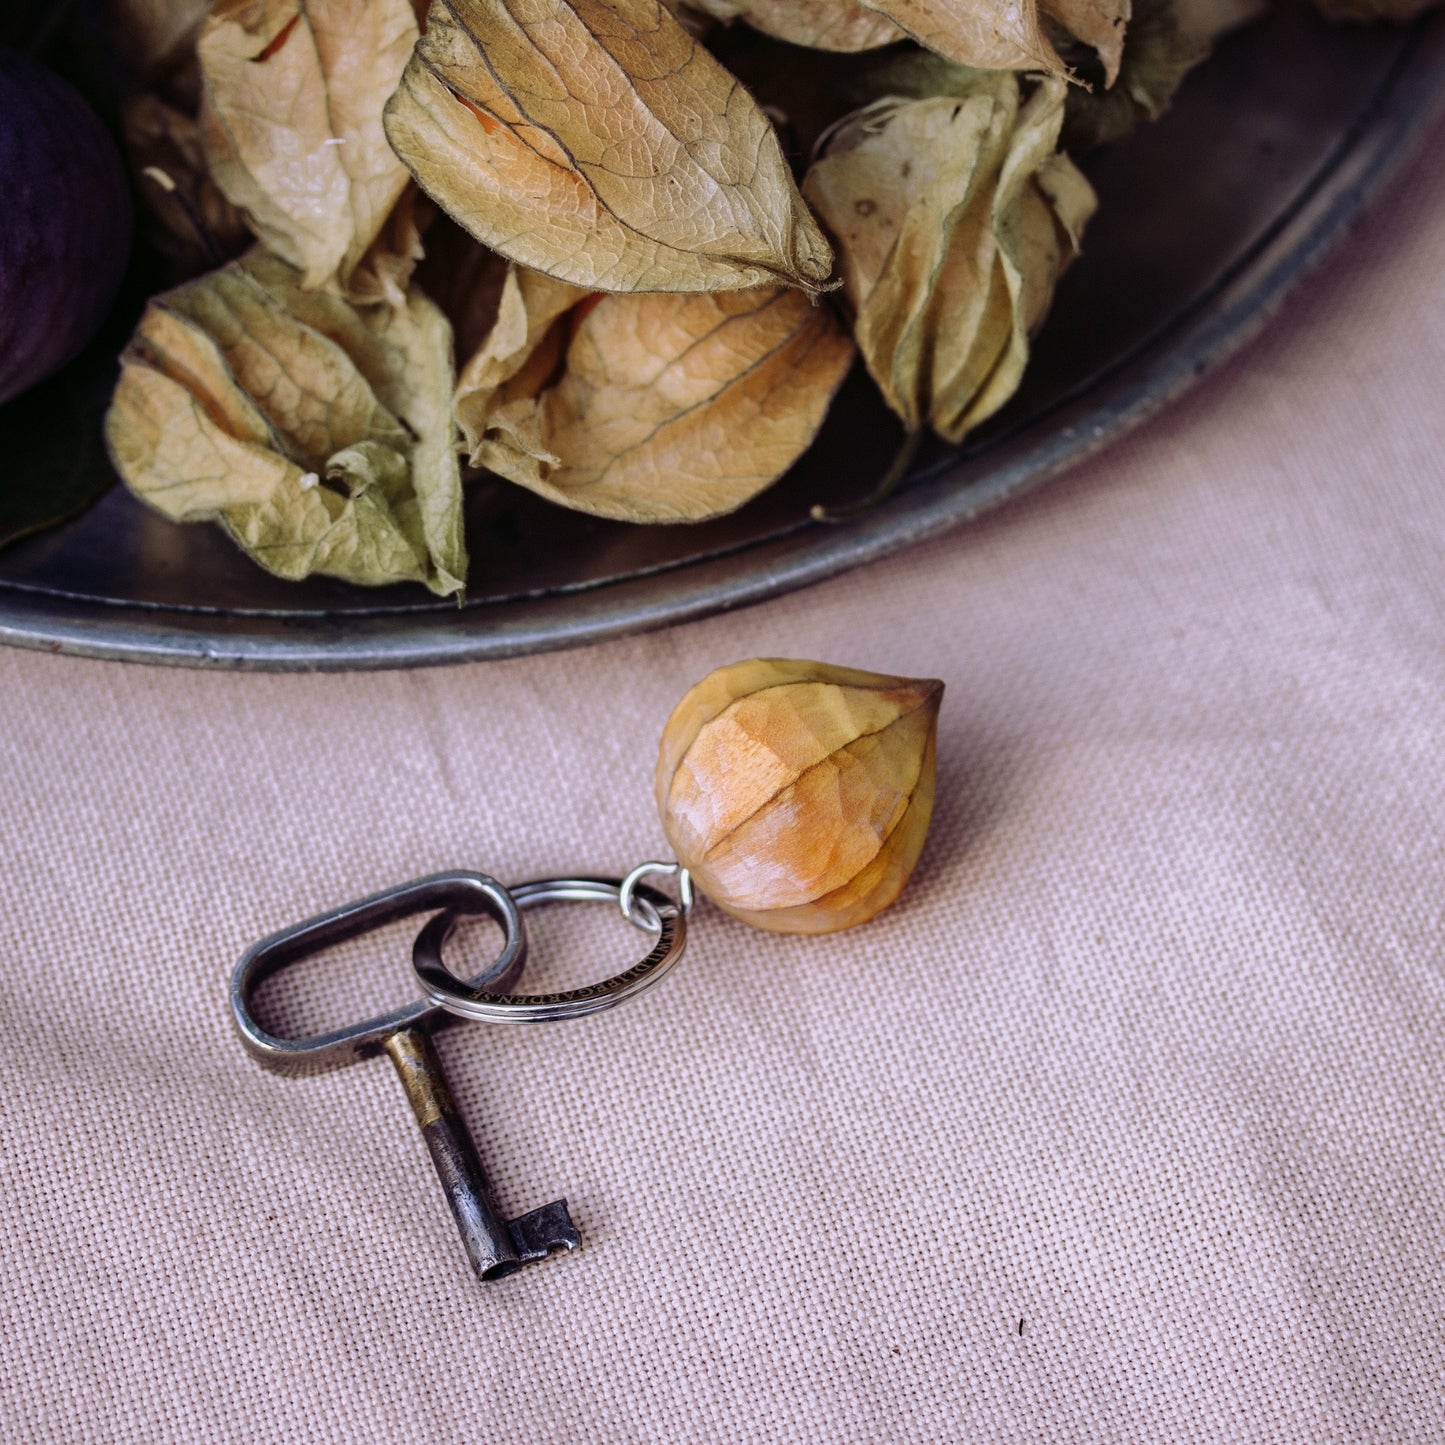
x=494, y=1246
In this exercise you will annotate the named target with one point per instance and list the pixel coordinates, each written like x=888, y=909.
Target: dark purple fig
x=65, y=231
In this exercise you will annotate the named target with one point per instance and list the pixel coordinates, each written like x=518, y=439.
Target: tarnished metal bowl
x=1206, y=221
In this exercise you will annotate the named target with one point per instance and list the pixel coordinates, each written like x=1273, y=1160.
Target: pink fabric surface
x=1125, y=1125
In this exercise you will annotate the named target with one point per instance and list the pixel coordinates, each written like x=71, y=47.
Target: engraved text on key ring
x=651, y=910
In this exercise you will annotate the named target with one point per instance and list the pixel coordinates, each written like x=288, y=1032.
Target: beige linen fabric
x=1124, y=1126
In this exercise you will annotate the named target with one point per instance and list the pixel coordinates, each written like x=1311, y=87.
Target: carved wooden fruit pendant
x=798, y=794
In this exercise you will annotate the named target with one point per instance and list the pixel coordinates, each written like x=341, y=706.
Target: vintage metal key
x=494, y=1245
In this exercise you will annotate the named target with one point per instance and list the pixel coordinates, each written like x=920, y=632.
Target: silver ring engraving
x=651, y=909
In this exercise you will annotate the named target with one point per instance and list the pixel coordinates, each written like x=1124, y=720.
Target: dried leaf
x=668, y=408
x=291, y=121
x=1099, y=23
x=599, y=143
x=953, y=218
x=192, y=223
x=991, y=34
x=318, y=434
x=817, y=24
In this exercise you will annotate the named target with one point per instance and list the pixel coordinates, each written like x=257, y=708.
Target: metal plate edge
x=1233, y=314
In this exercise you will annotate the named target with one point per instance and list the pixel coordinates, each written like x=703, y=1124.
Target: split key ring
x=648, y=908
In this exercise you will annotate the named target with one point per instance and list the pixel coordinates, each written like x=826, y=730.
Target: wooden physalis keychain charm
x=796, y=796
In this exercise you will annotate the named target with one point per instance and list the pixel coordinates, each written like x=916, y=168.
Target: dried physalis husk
x=798, y=794
x=522, y=352
x=1102, y=24
x=317, y=433
x=817, y=24
x=651, y=407
x=954, y=217
x=291, y=120
x=597, y=141
x=384, y=273
x=991, y=34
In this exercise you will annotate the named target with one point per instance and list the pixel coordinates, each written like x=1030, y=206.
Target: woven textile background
x=1125, y=1125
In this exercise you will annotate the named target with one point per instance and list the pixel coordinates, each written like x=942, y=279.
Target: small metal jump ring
x=663, y=918
x=652, y=870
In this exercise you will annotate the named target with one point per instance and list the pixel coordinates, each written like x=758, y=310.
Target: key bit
x=495, y=1246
